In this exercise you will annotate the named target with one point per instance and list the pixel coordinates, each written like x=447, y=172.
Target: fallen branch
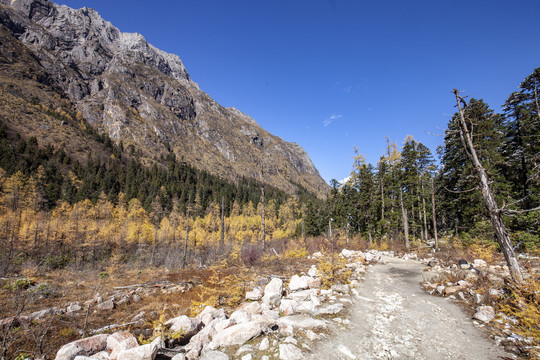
x=115, y=326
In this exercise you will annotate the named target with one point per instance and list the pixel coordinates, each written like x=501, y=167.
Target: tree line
x=408, y=196
x=57, y=211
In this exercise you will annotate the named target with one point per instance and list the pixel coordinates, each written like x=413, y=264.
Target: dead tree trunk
x=405, y=219
x=424, y=209
x=487, y=195
x=347, y=229
x=222, y=239
x=382, y=198
x=184, y=261
x=263, y=225
x=434, y=216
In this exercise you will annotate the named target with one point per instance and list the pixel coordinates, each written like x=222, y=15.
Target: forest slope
x=137, y=95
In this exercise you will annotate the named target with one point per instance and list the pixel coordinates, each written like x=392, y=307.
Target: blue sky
x=332, y=74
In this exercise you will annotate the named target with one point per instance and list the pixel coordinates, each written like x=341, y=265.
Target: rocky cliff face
x=145, y=98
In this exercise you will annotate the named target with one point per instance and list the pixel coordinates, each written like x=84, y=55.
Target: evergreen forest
x=56, y=211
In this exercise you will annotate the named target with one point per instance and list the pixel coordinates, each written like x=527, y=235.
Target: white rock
x=315, y=300
x=243, y=349
x=290, y=352
x=102, y=355
x=186, y=325
x=197, y=342
x=211, y=346
x=271, y=314
x=464, y=284
x=73, y=307
x=479, y=263
x=210, y=313
x=42, y=313
x=484, y=313
x=339, y=288
x=238, y=334
x=251, y=308
x=306, y=307
x=302, y=295
x=311, y=335
x=288, y=307
x=179, y=357
x=478, y=299
x=255, y=294
x=120, y=341
x=240, y=317
x=301, y=322
x=329, y=309
x=272, y=292
x=317, y=255
x=347, y=253
x=264, y=345
x=313, y=283
x=297, y=283
x=214, y=355
x=326, y=292
x=290, y=340
x=144, y=352
x=220, y=324
x=313, y=272
x=345, y=351
x=85, y=346
x=247, y=357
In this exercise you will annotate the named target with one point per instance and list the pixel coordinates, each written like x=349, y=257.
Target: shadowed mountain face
x=145, y=97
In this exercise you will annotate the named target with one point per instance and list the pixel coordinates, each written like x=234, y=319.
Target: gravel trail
x=395, y=319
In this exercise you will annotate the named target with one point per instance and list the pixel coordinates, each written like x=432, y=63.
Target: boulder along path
x=395, y=319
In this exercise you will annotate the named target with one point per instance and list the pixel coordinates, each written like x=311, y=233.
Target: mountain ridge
x=144, y=97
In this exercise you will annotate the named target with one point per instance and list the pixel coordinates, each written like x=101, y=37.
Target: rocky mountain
x=140, y=96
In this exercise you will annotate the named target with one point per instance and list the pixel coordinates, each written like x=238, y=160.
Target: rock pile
x=99, y=303
x=280, y=320
x=466, y=289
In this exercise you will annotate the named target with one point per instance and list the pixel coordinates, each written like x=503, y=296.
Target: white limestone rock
x=273, y=292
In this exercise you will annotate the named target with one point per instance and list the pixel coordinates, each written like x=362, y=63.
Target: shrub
x=22, y=284
x=485, y=251
x=222, y=288
x=296, y=251
x=59, y=261
x=521, y=304
x=251, y=254
x=333, y=270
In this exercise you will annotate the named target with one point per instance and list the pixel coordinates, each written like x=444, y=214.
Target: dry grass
x=62, y=287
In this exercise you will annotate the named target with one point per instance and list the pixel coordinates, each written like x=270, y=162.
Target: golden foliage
x=224, y=287
x=485, y=252
x=85, y=231
x=522, y=305
x=296, y=250
x=333, y=270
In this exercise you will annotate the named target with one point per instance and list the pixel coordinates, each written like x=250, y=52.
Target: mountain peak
x=144, y=97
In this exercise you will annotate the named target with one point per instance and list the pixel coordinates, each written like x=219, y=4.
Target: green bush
x=57, y=261
x=22, y=284
x=526, y=240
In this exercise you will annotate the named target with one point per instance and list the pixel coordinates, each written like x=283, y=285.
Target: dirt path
x=395, y=319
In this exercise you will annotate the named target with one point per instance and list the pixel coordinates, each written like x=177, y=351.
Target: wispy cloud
x=331, y=118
